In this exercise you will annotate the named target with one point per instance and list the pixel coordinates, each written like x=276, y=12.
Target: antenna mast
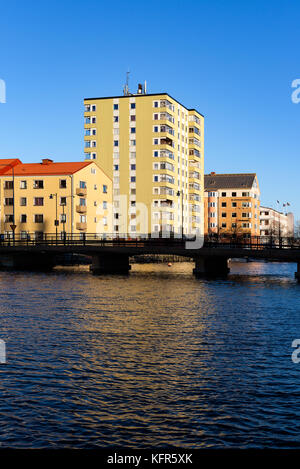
x=126, y=87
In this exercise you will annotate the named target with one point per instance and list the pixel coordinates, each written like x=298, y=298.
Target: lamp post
x=56, y=222
x=178, y=195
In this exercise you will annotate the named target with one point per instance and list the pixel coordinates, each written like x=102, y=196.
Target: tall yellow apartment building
x=47, y=197
x=232, y=204
x=152, y=147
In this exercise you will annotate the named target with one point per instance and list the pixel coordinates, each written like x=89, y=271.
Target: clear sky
x=234, y=61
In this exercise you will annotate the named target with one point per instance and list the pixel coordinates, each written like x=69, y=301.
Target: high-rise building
x=232, y=204
x=38, y=199
x=152, y=147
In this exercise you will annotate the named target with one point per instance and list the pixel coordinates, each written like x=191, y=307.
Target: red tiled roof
x=46, y=168
x=6, y=163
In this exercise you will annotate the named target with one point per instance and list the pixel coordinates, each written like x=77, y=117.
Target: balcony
x=166, y=141
x=81, y=226
x=166, y=154
x=82, y=191
x=81, y=208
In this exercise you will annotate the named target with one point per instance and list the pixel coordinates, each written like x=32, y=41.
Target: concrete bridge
x=111, y=255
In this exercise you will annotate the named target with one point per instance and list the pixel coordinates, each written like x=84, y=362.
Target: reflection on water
x=154, y=359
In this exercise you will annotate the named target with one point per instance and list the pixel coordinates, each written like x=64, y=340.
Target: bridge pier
x=297, y=274
x=27, y=261
x=211, y=267
x=110, y=264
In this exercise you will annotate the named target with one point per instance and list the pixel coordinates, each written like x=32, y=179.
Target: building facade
x=232, y=204
x=153, y=149
x=275, y=223
x=47, y=197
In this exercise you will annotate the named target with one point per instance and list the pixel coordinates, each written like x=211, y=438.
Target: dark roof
x=143, y=95
x=228, y=181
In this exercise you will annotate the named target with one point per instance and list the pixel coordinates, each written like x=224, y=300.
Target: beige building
x=275, y=223
x=152, y=147
x=232, y=204
x=47, y=197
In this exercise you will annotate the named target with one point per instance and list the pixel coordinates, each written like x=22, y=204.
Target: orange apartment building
x=231, y=204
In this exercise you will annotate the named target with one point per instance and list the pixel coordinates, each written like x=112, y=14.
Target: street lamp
x=178, y=195
x=56, y=222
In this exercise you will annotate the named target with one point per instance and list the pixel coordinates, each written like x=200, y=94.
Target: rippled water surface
x=154, y=359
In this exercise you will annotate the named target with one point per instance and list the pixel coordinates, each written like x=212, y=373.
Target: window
x=223, y=194
x=23, y=184
x=234, y=204
x=156, y=141
x=82, y=202
x=155, y=103
x=82, y=218
x=38, y=201
x=63, y=184
x=223, y=214
x=132, y=179
x=116, y=167
x=38, y=218
x=94, y=120
x=23, y=218
x=155, y=129
x=133, y=143
x=245, y=194
x=82, y=185
x=233, y=194
x=8, y=185
x=104, y=189
x=234, y=215
x=132, y=130
x=63, y=201
x=9, y=218
x=93, y=107
x=233, y=225
x=116, y=107
x=104, y=204
x=23, y=201
x=133, y=167
x=155, y=154
x=116, y=118
x=63, y=218
x=116, y=143
x=224, y=204
x=38, y=184
x=8, y=201
x=155, y=178
x=155, y=117
x=104, y=221
x=132, y=105
x=132, y=118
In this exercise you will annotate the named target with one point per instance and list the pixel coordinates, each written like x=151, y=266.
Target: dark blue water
x=158, y=358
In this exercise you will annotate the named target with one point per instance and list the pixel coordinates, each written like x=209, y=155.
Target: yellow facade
x=153, y=149
x=80, y=199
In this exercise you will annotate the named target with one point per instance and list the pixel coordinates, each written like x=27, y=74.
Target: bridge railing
x=125, y=239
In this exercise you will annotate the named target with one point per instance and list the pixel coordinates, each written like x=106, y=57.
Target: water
x=159, y=358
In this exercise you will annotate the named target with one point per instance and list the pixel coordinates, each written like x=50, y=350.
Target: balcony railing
x=81, y=226
x=81, y=208
x=81, y=191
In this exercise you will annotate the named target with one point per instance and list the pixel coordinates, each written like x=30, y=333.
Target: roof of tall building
x=215, y=181
x=46, y=167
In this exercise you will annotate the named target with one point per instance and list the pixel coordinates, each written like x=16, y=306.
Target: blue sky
x=232, y=60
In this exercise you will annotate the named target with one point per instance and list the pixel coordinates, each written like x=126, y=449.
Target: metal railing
x=138, y=240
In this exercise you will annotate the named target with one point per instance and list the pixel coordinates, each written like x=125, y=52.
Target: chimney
x=47, y=161
x=212, y=173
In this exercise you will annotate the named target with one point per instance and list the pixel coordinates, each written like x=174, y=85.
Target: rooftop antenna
x=126, y=87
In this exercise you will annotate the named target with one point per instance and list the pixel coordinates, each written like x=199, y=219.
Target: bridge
x=111, y=254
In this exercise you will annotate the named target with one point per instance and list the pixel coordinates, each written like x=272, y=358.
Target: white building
x=275, y=223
